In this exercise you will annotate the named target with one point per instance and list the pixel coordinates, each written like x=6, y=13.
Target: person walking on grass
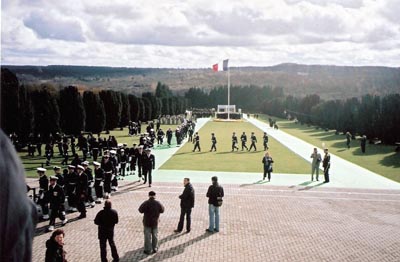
x=187, y=203
x=316, y=161
x=106, y=219
x=151, y=210
x=215, y=193
x=213, y=142
x=267, y=163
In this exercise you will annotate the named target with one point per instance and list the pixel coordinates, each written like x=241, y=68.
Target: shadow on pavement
x=259, y=182
x=138, y=255
x=43, y=229
x=310, y=187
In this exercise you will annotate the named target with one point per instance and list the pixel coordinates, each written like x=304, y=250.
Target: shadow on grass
x=392, y=160
x=138, y=255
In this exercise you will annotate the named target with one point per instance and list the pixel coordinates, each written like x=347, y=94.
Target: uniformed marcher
x=71, y=180
x=81, y=191
x=148, y=164
x=89, y=173
x=243, y=138
x=43, y=188
x=98, y=182
x=108, y=168
x=169, y=136
x=123, y=158
x=348, y=139
x=160, y=136
x=253, y=141
x=139, y=157
x=234, y=142
x=265, y=141
x=56, y=198
x=196, y=142
x=213, y=142
x=59, y=175
x=114, y=179
x=363, y=143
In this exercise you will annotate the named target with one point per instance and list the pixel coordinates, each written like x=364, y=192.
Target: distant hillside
x=330, y=82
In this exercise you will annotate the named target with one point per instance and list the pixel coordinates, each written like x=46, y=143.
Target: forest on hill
x=328, y=82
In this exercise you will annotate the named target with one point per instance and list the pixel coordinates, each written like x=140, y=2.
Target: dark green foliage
x=9, y=101
x=72, y=111
x=46, y=113
x=25, y=114
x=125, y=110
x=147, y=109
x=134, y=107
x=162, y=90
x=95, y=113
x=113, y=108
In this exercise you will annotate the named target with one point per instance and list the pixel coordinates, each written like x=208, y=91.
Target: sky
x=199, y=33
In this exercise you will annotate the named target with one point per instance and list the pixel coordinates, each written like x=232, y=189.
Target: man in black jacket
x=106, y=220
x=187, y=203
x=81, y=191
x=148, y=164
x=56, y=197
x=151, y=210
x=215, y=193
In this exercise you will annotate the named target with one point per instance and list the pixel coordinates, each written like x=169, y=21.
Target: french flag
x=223, y=66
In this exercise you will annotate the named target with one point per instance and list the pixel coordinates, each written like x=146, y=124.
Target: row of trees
x=374, y=116
x=44, y=109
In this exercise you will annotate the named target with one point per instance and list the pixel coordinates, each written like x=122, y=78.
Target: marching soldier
x=89, y=173
x=133, y=158
x=108, y=167
x=234, y=142
x=81, y=191
x=65, y=153
x=265, y=140
x=148, y=164
x=253, y=141
x=139, y=158
x=114, y=180
x=98, y=181
x=123, y=160
x=160, y=136
x=191, y=130
x=59, y=175
x=243, y=138
x=43, y=188
x=48, y=151
x=214, y=142
x=71, y=180
x=169, y=136
x=56, y=198
x=196, y=142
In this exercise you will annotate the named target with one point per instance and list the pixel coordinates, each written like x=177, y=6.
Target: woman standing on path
x=55, y=251
x=267, y=161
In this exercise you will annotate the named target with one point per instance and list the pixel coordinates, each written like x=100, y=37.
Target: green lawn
x=381, y=159
x=241, y=161
x=31, y=163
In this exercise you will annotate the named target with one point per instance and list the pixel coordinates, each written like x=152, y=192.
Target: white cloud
x=198, y=33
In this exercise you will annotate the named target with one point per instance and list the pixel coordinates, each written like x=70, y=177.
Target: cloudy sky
x=198, y=33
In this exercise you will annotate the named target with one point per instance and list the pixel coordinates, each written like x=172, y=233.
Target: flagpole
x=229, y=92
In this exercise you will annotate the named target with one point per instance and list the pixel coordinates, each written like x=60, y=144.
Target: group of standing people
x=315, y=164
x=151, y=209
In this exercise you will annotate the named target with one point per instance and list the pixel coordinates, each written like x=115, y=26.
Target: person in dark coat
x=348, y=139
x=81, y=191
x=148, y=164
x=71, y=181
x=234, y=142
x=43, y=188
x=151, y=209
x=56, y=197
x=326, y=165
x=267, y=163
x=108, y=168
x=253, y=142
x=98, y=182
x=243, y=138
x=213, y=142
x=187, y=203
x=18, y=215
x=196, y=142
x=59, y=175
x=169, y=136
x=55, y=247
x=106, y=219
x=265, y=141
x=215, y=193
x=363, y=143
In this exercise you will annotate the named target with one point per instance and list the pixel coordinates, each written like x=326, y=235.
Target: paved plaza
x=287, y=219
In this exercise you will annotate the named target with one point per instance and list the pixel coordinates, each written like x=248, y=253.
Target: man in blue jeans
x=215, y=194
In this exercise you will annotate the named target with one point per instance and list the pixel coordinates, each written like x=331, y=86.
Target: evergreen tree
x=72, y=111
x=95, y=113
x=125, y=110
x=9, y=101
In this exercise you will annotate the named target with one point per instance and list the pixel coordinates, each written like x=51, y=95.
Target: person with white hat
x=148, y=164
x=108, y=168
x=56, y=198
x=114, y=160
x=88, y=171
x=123, y=158
x=81, y=190
x=43, y=188
x=98, y=182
